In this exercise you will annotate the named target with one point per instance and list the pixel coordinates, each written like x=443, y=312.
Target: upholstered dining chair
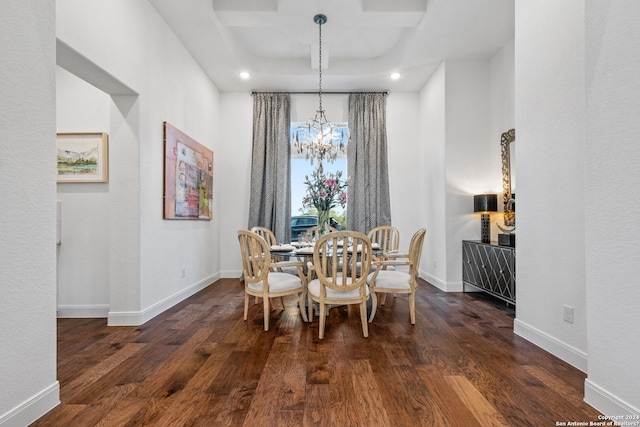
x=260, y=279
x=270, y=238
x=383, y=281
x=266, y=234
x=312, y=233
x=335, y=258
x=387, y=237
x=279, y=264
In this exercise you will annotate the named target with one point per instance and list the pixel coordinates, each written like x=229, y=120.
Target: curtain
x=270, y=196
x=368, y=186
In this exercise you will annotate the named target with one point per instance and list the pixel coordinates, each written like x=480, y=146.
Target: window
x=301, y=167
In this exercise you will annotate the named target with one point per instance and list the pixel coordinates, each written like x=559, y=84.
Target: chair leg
x=374, y=305
x=322, y=319
x=383, y=298
x=267, y=312
x=246, y=305
x=309, y=309
x=363, y=318
x=282, y=302
x=412, y=307
x=303, y=311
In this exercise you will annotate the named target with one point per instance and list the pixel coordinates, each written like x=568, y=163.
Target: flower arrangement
x=324, y=191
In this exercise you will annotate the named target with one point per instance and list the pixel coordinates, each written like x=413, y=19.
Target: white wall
x=27, y=212
x=612, y=157
x=577, y=105
x=550, y=133
x=461, y=157
x=502, y=108
x=467, y=157
x=406, y=165
x=83, y=255
x=147, y=253
x=236, y=131
x=432, y=138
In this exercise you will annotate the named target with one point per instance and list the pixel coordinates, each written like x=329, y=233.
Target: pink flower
x=342, y=198
x=323, y=191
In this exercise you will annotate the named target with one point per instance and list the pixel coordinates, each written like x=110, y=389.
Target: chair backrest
x=256, y=258
x=415, y=251
x=387, y=236
x=266, y=234
x=342, y=260
x=312, y=233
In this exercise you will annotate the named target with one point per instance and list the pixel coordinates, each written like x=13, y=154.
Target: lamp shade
x=485, y=203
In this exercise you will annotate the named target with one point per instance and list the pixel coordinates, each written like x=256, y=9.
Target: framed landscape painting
x=188, y=176
x=82, y=157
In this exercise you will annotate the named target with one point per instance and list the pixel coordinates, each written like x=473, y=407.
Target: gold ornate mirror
x=508, y=199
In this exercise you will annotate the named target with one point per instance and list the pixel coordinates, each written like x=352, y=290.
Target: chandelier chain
x=318, y=133
x=320, y=63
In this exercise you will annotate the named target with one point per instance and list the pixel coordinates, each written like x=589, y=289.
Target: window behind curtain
x=300, y=167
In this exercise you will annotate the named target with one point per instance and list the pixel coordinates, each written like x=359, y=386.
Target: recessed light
x=395, y=76
x=244, y=75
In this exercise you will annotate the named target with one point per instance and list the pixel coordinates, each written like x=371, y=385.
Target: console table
x=491, y=268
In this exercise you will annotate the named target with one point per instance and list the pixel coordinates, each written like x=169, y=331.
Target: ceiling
x=363, y=41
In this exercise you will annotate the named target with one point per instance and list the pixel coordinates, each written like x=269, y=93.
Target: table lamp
x=485, y=203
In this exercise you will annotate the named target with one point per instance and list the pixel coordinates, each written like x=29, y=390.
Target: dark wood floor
x=200, y=364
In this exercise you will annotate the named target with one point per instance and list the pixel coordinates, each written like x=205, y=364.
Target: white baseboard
x=83, y=311
x=606, y=402
x=230, y=274
x=443, y=286
x=33, y=408
x=560, y=349
x=136, y=318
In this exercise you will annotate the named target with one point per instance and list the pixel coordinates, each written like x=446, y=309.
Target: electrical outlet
x=183, y=272
x=568, y=314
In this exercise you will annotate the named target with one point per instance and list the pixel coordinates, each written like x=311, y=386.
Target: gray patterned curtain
x=368, y=190
x=270, y=198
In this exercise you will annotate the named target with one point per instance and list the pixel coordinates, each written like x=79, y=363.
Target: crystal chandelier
x=318, y=136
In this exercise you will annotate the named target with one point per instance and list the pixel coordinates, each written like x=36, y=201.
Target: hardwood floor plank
x=482, y=410
x=365, y=395
x=317, y=407
x=78, y=391
x=406, y=400
x=104, y=407
x=454, y=412
x=281, y=387
x=200, y=364
x=178, y=368
x=61, y=415
x=558, y=394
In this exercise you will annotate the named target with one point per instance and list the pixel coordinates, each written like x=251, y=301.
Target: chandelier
x=318, y=133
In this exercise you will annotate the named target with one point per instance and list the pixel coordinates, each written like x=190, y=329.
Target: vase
x=323, y=222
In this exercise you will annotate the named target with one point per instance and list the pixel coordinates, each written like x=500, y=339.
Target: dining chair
x=312, y=233
x=387, y=237
x=266, y=234
x=270, y=238
x=398, y=281
x=260, y=278
x=335, y=258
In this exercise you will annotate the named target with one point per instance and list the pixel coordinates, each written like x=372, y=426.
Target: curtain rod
x=385, y=92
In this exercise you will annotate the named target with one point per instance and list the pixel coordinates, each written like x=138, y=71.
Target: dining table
x=304, y=252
